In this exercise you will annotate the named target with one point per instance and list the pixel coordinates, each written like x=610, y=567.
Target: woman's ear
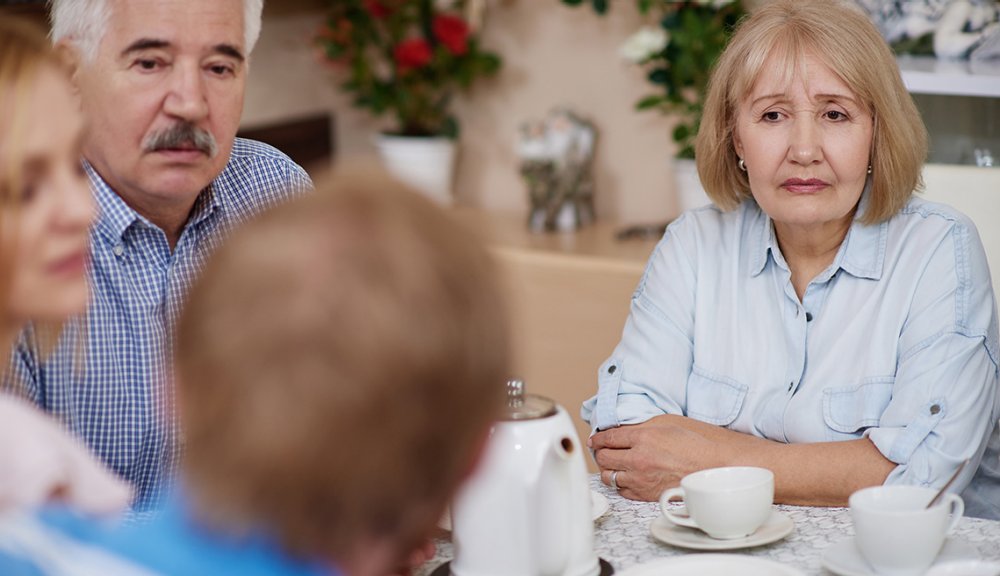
x=737, y=143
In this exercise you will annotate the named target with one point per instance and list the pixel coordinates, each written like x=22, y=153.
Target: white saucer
x=775, y=528
x=843, y=558
x=964, y=568
x=599, y=506
x=711, y=565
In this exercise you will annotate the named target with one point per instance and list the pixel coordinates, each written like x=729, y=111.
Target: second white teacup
x=725, y=503
x=895, y=531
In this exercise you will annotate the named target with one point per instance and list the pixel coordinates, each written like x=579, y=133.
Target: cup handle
x=665, y=499
x=957, y=506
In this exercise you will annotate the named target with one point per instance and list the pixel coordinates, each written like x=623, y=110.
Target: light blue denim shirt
x=895, y=341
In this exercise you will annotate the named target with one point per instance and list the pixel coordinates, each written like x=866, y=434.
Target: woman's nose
x=805, y=145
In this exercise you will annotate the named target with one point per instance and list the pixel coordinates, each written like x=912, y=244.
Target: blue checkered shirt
x=107, y=378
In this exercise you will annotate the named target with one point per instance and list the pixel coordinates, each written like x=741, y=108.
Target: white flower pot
x=689, y=191
x=425, y=163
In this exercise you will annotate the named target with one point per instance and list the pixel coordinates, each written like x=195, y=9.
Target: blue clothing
x=58, y=542
x=108, y=379
x=895, y=341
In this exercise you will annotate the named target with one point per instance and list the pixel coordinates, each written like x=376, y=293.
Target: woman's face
x=45, y=234
x=806, y=146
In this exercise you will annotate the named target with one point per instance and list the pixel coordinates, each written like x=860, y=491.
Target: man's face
x=164, y=65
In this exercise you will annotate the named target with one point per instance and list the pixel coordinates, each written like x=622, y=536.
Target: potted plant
x=678, y=53
x=405, y=60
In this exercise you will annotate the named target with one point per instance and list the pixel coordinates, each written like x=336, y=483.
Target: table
x=622, y=536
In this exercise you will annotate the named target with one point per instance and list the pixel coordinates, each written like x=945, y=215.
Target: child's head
x=339, y=363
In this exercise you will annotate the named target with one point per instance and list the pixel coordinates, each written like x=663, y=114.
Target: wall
x=553, y=55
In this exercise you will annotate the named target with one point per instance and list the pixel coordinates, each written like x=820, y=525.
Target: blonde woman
x=45, y=210
x=818, y=320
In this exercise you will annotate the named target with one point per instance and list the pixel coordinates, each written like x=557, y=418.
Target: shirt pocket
x=850, y=410
x=714, y=399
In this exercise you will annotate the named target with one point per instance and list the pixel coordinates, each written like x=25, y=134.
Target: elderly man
x=161, y=83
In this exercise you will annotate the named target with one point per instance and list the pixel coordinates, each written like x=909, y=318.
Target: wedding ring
x=614, y=480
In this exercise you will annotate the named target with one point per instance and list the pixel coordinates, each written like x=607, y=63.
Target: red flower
x=413, y=53
x=453, y=32
x=377, y=9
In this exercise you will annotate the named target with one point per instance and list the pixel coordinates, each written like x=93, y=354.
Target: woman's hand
x=43, y=463
x=654, y=455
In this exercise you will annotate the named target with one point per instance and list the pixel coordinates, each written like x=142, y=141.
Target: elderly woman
x=45, y=211
x=818, y=320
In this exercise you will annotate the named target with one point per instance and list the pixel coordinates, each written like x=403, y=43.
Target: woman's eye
x=28, y=193
x=148, y=65
x=772, y=116
x=836, y=115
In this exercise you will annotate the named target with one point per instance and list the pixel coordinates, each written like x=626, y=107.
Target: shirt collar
x=862, y=254
x=115, y=216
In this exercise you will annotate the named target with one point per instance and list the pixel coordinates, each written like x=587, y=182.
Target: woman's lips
x=801, y=186
x=72, y=265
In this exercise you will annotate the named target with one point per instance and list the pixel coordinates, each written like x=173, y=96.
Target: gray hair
x=85, y=22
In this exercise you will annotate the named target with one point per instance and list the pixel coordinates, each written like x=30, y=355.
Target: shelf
x=927, y=75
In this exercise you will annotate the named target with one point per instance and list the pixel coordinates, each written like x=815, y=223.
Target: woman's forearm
x=814, y=474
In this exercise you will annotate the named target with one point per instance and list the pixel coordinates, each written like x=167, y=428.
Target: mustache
x=180, y=135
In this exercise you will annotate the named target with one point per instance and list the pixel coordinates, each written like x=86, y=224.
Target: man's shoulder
x=245, y=149
x=258, y=159
x=259, y=175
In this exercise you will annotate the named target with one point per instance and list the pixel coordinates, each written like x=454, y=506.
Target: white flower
x=647, y=42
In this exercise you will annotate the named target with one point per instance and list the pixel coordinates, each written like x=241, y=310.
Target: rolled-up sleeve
x=943, y=409
x=944, y=402
x=647, y=373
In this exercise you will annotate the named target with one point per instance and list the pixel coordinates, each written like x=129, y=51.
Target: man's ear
x=73, y=60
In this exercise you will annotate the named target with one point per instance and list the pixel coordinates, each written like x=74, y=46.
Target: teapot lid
x=523, y=406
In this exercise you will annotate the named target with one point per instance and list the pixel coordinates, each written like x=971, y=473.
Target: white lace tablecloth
x=622, y=536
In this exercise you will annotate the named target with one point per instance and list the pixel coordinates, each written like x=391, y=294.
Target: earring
x=869, y=168
x=743, y=166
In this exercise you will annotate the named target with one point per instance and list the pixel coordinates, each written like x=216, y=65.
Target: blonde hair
x=339, y=363
x=24, y=54
x=843, y=37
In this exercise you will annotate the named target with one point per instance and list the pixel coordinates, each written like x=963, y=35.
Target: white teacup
x=895, y=531
x=725, y=503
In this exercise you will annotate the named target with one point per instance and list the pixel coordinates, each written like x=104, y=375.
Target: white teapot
x=527, y=509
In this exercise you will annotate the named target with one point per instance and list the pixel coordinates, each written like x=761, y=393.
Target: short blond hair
x=339, y=362
x=843, y=37
x=24, y=53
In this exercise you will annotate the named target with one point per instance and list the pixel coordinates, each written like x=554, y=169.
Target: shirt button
x=809, y=317
x=790, y=386
x=118, y=250
x=612, y=368
x=935, y=409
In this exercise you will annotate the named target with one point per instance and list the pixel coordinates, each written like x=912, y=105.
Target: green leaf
x=572, y=2
x=600, y=6
x=681, y=132
x=659, y=76
x=449, y=127
x=650, y=102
